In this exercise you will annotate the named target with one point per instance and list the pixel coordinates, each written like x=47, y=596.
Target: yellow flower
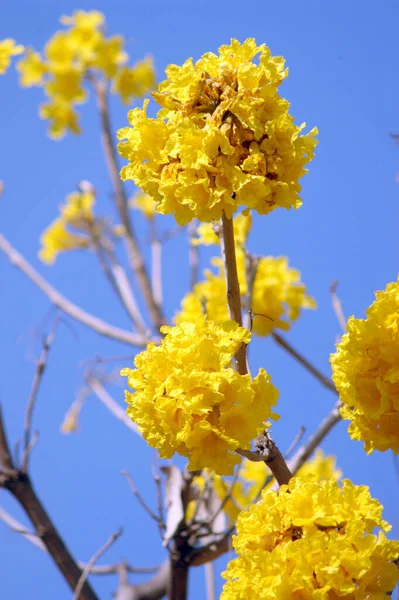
x=223, y=139
x=56, y=239
x=31, y=68
x=241, y=224
x=8, y=48
x=278, y=296
x=366, y=373
x=317, y=542
x=77, y=212
x=110, y=55
x=66, y=84
x=189, y=400
x=62, y=117
x=135, y=81
x=144, y=203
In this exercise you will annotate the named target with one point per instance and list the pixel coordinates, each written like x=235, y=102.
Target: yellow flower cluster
x=144, y=203
x=366, y=373
x=77, y=212
x=312, y=540
x=278, y=293
x=74, y=56
x=8, y=48
x=189, y=400
x=253, y=477
x=224, y=138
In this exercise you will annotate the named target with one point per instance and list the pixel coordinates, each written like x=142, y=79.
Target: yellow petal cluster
x=223, y=139
x=313, y=540
x=75, y=56
x=144, y=203
x=278, y=293
x=366, y=373
x=8, y=48
x=189, y=400
x=76, y=213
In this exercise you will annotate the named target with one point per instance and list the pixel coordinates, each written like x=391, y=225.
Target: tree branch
x=132, y=247
x=193, y=254
x=323, y=379
x=92, y=562
x=110, y=403
x=68, y=307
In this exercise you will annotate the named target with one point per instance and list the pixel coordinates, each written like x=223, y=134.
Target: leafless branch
x=139, y=497
x=323, y=379
x=210, y=581
x=193, y=255
x=68, y=307
x=110, y=403
x=337, y=305
x=315, y=440
x=40, y=368
x=92, y=562
x=295, y=442
x=121, y=201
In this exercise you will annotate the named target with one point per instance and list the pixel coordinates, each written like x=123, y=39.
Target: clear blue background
x=343, y=59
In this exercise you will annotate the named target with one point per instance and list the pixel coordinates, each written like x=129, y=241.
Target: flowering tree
x=222, y=149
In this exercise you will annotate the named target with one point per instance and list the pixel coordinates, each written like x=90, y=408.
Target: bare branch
x=323, y=379
x=93, y=561
x=110, y=403
x=193, y=255
x=233, y=286
x=121, y=201
x=40, y=368
x=68, y=307
x=139, y=497
x=315, y=440
x=210, y=581
x=6, y=463
x=337, y=305
x=295, y=442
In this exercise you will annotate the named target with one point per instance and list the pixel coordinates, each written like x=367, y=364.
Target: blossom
x=74, y=59
x=8, y=48
x=223, y=138
x=366, y=373
x=135, y=81
x=76, y=213
x=189, y=400
x=144, y=203
x=313, y=540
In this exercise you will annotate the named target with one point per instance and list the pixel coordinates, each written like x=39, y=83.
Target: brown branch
x=121, y=201
x=233, y=286
x=323, y=379
x=40, y=368
x=92, y=562
x=68, y=307
x=135, y=491
x=315, y=440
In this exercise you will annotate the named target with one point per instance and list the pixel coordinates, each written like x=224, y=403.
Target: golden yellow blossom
x=317, y=542
x=366, y=372
x=135, y=81
x=241, y=224
x=189, y=400
x=8, y=48
x=75, y=59
x=144, y=203
x=223, y=139
x=77, y=212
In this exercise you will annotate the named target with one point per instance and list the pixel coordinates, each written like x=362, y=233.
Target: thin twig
x=121, y=201
x=110, y=403
x=193, y=254
x=295, y=442
x=158, y=485
x=40, y=368
x=323, y=379
x=139, y=497
x=68, y=307
x=210, y=581
x=6, y=463
x=337, y=305
x=315, y=440
x=92, y=562
x=228, y=496
x=156, y=265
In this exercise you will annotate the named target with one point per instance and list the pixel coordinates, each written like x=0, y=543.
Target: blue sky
x=343, y=60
